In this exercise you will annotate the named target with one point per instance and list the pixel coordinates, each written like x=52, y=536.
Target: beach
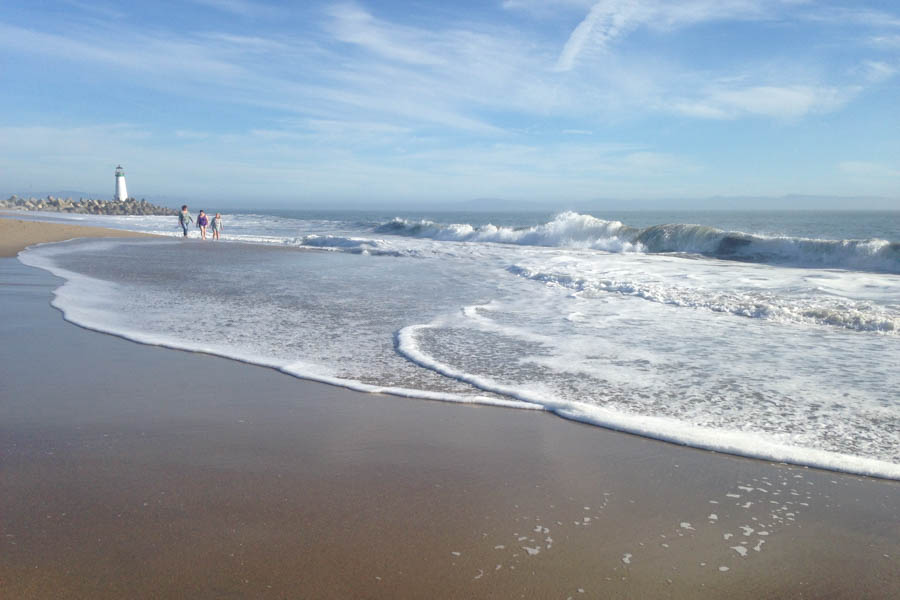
x=136, y=471
x=16, y=234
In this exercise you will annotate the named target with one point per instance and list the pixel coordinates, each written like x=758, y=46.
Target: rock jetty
x=89, y=206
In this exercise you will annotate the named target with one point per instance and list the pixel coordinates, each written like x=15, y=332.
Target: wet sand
x=140, y=472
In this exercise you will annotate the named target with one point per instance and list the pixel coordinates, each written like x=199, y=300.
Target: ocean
x=773, y=335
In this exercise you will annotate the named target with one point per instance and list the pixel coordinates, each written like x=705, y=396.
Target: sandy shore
x=16, y=234
x=131, y=471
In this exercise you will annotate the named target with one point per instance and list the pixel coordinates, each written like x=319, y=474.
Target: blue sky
x=386, y=102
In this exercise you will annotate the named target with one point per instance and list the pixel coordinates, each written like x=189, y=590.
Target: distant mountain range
x=786, y=202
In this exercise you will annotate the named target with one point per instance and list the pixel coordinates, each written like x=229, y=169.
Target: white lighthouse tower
x=121, y=192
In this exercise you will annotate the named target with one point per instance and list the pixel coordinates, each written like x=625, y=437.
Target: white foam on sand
x=91, y=302
x=671, y=430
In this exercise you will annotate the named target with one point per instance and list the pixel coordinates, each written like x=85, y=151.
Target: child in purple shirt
x=202, y=222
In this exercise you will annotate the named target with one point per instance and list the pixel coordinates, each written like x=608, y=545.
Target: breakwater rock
x=89, y=206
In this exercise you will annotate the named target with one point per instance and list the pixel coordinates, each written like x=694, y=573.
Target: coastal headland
x=142, y=472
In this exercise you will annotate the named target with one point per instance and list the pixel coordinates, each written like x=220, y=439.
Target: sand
x=16, y=234
x=141, y=472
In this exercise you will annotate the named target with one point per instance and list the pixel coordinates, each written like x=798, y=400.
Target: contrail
x=609, y=17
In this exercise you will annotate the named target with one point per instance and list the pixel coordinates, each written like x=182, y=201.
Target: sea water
x=771, y=335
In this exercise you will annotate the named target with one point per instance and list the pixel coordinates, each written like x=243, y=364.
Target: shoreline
x=260, y=483
x=733, y=443
x=123, y=476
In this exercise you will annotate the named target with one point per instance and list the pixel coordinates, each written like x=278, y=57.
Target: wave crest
x=864, y=255
x=568, y=230
x=580, y=231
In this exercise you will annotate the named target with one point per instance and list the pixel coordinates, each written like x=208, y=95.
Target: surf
x=581, y=231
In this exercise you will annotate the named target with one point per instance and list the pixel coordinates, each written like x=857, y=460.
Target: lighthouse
x=121, y=192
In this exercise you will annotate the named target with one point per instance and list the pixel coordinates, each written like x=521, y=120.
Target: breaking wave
x=574, y=230
x=569, y=229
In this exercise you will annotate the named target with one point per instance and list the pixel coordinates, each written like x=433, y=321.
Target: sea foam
x=578, y=316
x=574, y=230
x=756, y=304
x=731, y=441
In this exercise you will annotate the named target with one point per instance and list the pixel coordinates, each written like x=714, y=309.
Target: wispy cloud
x=608, y=20
x=604, y=22
x=844, y=15
x=243, y=8
x=353, y=25
x=162, y=55
x=876, y=71
x=889, y=41
x=789, y=102
x=330, y=159
x=356, y=87
x=456, y=77
x=95, y=7
x=188, y=134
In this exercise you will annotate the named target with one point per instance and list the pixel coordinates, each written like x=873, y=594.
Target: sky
x=775, y=103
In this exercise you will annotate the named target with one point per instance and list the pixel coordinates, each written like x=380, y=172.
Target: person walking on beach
x=184, y=219
x=202, y=222
x=217, y=226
